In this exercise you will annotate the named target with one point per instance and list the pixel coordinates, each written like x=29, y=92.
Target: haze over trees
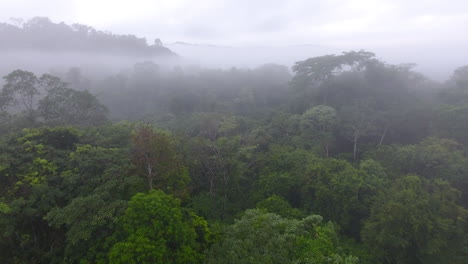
x=41, y=34
x=342, y=159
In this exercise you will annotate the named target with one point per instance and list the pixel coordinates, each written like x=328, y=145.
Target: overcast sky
x=263, y=22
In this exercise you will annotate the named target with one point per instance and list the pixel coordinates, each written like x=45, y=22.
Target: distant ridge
x=199, y=45
x=227, y=56
x=41, y=34
x=182, y=43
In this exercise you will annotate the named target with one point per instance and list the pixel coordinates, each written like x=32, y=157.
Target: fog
x=293, y=131
x=245, y=34
x=131, y=62
x=429, y=60
x=93, y=65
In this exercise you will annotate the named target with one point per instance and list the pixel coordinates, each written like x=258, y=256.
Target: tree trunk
x=383, y=136
x=356, y=137
x=355, y=147
x=210, y=175
x=211, y=186
x=150, y=177
x=225, y=182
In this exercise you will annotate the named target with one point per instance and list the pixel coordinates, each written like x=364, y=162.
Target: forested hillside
x=41, y=34
x=341, y=159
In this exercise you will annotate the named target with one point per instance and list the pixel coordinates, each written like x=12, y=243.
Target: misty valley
x=113, y=150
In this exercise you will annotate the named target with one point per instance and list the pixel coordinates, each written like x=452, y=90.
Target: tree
x=460, y=77
x=417, y=221
x=221, y=165
x=358, y=120
x=432, y=158
x=313, y=75
x=278, y=205
x=320, y=121
x=451, y=121
x=75, y=79
x=21, y=88
x=158, y=42
x=99, y=187
x=260, y=237
x=61, y=105
x=30, y=171
x=155, y=229
x=5, y=122
x=341, y=193
x=64, y=106
x=281, y=173
x=153, y=153
x=49, y=82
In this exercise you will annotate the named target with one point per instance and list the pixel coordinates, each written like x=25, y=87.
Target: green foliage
x=344, y=140
x=21, y=88
x=64, y=197
x=277, y=205
x=60, y=106
x=4, y=208
x=260, y=237
x=417, y=221
x=451, y=122
x=282, y=171
x=155, y=230
x=312, y=76
x=340, y=192
x=112, y=135
x=432, y=158
x=155, y=158
x=320, y=122
x=64, y=106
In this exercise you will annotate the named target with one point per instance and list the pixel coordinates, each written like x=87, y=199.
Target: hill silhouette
x=41, y=34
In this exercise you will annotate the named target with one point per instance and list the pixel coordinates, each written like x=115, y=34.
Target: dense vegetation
x=347, y=160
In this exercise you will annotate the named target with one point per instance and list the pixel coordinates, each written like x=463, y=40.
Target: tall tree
x=320, y=122
x=313, y=75
x=21, y=89
x=154, y=155
x=65, y=106
x=358, y=120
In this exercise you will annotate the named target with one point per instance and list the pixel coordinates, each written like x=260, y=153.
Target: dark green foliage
x=417, y=221
x=157, y=230
x=63, y=197
x=260, y=237
x=376, y=150
x=433, y=158
x=320, y=123
x=277, y=205
x=339, y=192
x=155, y=158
